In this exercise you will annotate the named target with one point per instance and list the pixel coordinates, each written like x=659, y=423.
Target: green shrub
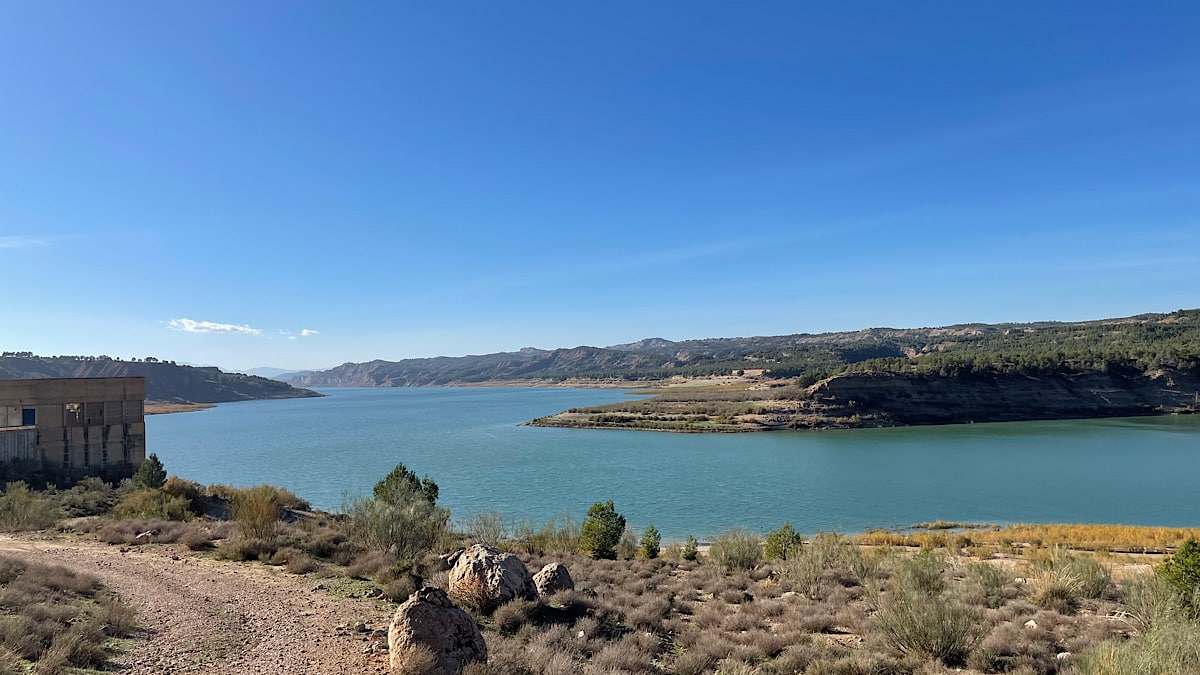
x=1182, y=572
x=257, y=510
x=400, y=483
x=987, y=581
x=1149, y=600
x=153, y=503
x=651, y=542
x=782, y=543
x=627, y=548
x=691, y=549
x=23, y=509
x=602, y=531
x=1067, y=579
x=1094, y=578
x=404, y=525
x=736, y=549
x=192, y=491
x=1171, y=647
x=150, y=474
x=91, y=496
x=913, y=621
x=921, y=574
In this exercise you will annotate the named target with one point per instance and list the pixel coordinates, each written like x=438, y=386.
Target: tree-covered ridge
x=1140, y=342
x=1128, y=346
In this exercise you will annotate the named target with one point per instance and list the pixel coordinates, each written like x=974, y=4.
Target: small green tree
x=602, y=531
x=691, y=550
x=400, y=518
x=150, y=473
x=782, y=544
x=1182, y=572
x=651, y=542
x=396, y=486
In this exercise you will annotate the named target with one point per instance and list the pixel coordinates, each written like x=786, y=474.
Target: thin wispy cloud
x=191, y=326
x=10, y=241
x=307, y=332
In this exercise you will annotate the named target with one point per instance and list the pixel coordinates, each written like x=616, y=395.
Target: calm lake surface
x=1132, y=470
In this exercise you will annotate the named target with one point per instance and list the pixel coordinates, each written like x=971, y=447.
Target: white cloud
x=308, y=331
x=20, y=242
x=190, y=326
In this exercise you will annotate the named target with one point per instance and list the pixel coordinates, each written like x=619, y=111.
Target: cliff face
x=165, y=382
x=927, y=399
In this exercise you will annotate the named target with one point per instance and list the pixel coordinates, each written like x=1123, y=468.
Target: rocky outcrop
x=485, y=578
x=931, y=399
x=552, y=579
x=429, y=626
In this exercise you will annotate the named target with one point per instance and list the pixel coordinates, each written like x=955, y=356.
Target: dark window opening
x=28, y=416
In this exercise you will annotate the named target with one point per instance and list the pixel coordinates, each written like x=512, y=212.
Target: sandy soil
x=156, y=408
x=205, y=616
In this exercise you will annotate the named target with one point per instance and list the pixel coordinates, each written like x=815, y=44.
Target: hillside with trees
x=1143, y=365
x=1141, y=342
x=166, y=381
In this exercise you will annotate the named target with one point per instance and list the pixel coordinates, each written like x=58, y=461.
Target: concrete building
x=77, y=426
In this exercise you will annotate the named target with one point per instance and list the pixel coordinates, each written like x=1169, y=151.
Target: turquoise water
x=1131, y=470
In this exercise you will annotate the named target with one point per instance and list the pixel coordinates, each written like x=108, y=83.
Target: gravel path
x=205, y=616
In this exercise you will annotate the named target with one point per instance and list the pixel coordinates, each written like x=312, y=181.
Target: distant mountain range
x=166, y=382
x=280, y=374
x=806, y=356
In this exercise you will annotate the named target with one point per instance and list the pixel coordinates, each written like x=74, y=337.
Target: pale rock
x=429, y=621
x=552, y=579
x=487, y=578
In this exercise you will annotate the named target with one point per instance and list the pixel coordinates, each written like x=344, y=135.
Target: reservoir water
x=1132, y=470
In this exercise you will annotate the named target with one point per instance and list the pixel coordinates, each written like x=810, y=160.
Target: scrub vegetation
x=54, y=620
x=947, y=597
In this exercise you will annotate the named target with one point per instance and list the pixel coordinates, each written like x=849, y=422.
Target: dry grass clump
x=257, y=510
x=1088, y=537
x=736, y=549
x=56, y=619
x=24, y=509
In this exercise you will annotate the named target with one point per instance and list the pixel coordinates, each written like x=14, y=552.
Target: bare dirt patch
x=199, y=615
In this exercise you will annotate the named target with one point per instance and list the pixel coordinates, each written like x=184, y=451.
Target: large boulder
x=485, y=578
x=552, y=579
x=428, y=627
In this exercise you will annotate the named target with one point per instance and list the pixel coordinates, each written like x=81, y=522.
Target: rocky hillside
x=165, y=381
x=879, y=399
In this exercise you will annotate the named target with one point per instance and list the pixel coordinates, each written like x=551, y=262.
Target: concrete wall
x=83, y=425
x=18, y=443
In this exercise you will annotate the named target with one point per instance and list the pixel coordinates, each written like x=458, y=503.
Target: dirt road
x=205, y=616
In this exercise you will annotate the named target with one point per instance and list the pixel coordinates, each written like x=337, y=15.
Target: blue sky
x=206, y=182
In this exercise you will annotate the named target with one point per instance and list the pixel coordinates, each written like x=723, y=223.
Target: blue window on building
x=28, y=416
